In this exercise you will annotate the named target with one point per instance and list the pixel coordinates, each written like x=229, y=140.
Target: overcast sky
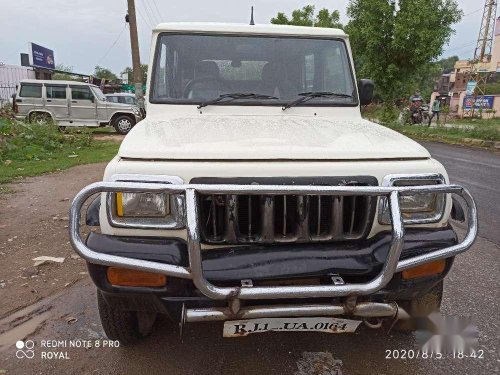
x=85, y=33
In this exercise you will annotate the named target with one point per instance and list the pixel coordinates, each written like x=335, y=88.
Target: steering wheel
x=219, y=82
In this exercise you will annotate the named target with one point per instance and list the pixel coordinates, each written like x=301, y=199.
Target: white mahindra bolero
x=253, y=193
x=70, y=103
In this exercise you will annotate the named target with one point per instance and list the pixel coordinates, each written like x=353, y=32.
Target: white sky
x=81, y=32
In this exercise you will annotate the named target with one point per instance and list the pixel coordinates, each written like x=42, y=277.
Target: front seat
x=275, y=82
x=207, y=83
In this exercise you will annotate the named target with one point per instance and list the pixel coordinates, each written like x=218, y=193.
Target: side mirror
x=92, y=99
x=365, y=89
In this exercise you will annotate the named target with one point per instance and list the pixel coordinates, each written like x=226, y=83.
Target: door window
x=128, y=100
x=56, y=92
x=81, y=93
x=31, y=91
x=112, y=99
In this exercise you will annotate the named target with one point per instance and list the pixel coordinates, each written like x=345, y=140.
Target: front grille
x=244, y=219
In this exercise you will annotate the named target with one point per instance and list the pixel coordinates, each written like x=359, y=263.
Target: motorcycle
x=417, y=113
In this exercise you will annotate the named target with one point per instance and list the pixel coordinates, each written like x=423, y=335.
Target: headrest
x=273, y=72
x=206, y=69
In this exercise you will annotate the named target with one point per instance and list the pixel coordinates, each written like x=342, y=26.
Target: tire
x=123, y=124
x=420, y=308
x=128, y=327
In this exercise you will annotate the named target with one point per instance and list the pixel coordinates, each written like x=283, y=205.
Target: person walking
x=436, y=108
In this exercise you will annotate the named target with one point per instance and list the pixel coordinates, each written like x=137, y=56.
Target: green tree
x=129, y=72
x=448, y=63
x=395, y=41
x=64, y=73
x=108, y=75
x=306, y=17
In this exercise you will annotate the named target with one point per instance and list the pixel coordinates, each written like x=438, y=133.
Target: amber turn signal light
x=127, y=277
x=426, y=269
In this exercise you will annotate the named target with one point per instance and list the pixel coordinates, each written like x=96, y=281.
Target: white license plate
x=237, y=328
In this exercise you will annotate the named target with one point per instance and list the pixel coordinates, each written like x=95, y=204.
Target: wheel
x=128, y=327
x=420, y=308
x=40, y=118
x=123, y=124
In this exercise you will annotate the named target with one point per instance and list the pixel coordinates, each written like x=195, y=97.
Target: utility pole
x=134, y=42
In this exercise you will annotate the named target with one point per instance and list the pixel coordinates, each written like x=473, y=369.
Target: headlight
x=418, y=208
x=142, y=205
x=146, y=210
x=136, y=111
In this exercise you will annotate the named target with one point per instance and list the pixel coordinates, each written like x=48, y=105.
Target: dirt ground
x=33, y=223
x=47, y=303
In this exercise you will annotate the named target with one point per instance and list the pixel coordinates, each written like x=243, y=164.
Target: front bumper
x=357, y=261
x=193, y=268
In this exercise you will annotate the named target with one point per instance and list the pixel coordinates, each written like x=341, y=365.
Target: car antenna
x=251, y=18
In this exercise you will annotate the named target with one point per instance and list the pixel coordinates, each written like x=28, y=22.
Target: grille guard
x=195, y=271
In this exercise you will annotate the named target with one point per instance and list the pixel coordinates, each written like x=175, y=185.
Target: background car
x=125, y=98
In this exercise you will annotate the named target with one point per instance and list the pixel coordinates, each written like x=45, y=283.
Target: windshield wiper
x=306, y=96
x=235, y=96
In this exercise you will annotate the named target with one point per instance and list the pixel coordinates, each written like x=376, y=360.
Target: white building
x=10, y=76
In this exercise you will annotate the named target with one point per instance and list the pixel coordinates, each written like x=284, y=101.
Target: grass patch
x=454, y=132
x=99, y=152
x=33, y=149
x=494, y=122
x=487, y=133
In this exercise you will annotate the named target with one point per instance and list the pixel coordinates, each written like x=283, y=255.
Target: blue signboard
x=484, y=102
x=42, y=57
x=471, y=85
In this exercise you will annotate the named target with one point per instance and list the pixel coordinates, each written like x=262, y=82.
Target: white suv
x=254, y=193
x=70, y=103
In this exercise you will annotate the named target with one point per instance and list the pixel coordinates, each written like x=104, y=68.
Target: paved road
x=472, y=289
x=479, y=171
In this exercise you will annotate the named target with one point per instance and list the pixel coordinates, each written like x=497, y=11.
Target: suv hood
x=210, y=137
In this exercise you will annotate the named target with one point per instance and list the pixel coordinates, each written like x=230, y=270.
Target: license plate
x=237, y=328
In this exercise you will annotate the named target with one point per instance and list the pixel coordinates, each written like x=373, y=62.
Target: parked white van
x=70, y=103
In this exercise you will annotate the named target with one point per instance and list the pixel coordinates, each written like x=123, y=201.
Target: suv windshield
x=193, y=69
x=97, y=92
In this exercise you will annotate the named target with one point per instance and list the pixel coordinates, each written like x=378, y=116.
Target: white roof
x=55, y=82
x=121, y=94
x=239, y=28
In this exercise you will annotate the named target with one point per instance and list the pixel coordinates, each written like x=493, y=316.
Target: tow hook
x=376, y=324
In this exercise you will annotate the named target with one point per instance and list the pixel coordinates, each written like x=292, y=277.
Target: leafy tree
x=108, y=75
x=130, y=75
x=394, y=42
x=447, y=64
x=306, y=17
x=65, y=74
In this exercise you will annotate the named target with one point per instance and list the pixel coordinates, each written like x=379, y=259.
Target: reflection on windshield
x=200, y=68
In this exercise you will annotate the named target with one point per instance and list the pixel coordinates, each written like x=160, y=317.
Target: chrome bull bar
x=195, y=270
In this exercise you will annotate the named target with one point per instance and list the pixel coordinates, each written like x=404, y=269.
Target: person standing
x=436, y=108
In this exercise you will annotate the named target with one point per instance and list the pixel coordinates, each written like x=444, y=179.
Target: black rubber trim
x=358, y=261
x=156, y=249
x=315, y=181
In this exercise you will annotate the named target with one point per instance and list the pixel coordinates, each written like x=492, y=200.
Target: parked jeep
x=70, y=103
x=254, y=194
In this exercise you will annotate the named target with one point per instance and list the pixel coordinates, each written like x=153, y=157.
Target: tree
x=144, y=73
x=448, y=64
x=65, y=73
x=306, y=17
x=108, y=75
x=394, y=42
